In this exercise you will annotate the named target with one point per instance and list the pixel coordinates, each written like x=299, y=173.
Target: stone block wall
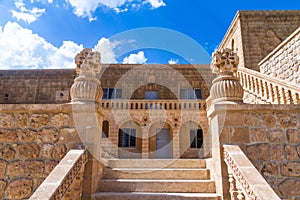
x=36, y=86
x=33, y=139
x=269, y=135
x=284, y=62
x=261, y=32
x=167, y=80
x=53, y=86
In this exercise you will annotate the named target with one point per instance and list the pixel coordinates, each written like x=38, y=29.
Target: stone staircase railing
x=267, y=89
x=56, y=185
x=245, y=182
x=154, y=104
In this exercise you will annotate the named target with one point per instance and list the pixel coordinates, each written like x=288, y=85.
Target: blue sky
x=49, y=33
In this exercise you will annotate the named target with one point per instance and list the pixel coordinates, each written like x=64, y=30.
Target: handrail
x=268, y=89
x=142, y=104
x=244, y=180
x=61, y=177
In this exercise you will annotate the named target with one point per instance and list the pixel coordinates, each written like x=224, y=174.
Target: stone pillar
x=145, y=142
x=176, y=143
x=86, y=94
x=226, y=89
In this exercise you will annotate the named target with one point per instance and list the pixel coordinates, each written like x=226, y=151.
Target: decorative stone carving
x=87, y=87
x=226, y=87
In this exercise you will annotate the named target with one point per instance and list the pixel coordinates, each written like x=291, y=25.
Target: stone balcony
x=136, y=104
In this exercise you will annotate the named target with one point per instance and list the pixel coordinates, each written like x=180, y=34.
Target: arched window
x=127, y=137
x=105, y=129
x=196, y=138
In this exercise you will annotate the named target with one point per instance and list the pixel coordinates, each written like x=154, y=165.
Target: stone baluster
x=282, y=96
x=87, y=87
x=295, y=97
x=276, y=95
x=226, y=87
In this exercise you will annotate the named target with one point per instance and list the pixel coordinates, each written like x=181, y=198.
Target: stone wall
x=261, y=33
x=165, y=79
x=36, y=86
x=269, y=135
x=33, y=139
x=284, y=62
x=52, y=86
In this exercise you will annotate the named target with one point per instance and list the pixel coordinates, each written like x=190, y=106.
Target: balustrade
x=268, y=89
x=154, y=104
x=245, y=182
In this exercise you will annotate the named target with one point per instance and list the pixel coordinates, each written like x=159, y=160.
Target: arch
x=105, y=129
x=191, y=140
x=130, y=140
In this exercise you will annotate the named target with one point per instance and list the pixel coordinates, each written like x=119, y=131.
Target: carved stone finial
x=226, y=87
x=86, y=87
x=225, y=61
x=79, y=58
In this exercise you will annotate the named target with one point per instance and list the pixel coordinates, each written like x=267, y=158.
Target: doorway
x=163, y=147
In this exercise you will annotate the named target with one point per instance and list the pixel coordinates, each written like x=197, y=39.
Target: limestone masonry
x=225, y=130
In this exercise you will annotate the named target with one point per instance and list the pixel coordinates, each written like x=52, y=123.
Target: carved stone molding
x=226, y=87
x=86, y=87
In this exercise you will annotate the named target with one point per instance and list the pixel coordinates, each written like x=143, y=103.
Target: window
x=105, y=129
x=196, y=138
x=151, y=95
x=190, y=93
x=127, y=137
x=112, y=93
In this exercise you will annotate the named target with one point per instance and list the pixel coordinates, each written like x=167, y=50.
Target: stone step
x=157, y=163
x=156, y=173
x=155, y=196
x=143, y=185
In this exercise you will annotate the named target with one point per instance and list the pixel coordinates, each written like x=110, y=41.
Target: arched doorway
x=160, y=140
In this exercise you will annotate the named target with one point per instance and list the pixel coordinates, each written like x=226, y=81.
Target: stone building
x=115, y=131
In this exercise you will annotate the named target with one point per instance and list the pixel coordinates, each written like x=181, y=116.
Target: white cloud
x=106, y=48
x=172, y=61
x=86, y=8
x=20, y=48
x=138, y=58
x=156, y=3
x=22, y=13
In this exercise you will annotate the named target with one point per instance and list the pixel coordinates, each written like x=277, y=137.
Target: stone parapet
x=245, y=182
x=57, y=183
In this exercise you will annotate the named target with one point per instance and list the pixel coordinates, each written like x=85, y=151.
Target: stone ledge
x=251, y=107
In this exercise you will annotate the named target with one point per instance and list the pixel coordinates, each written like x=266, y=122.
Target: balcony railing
x=154, y=104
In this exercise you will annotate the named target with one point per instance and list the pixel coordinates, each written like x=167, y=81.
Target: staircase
x=135, y=179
